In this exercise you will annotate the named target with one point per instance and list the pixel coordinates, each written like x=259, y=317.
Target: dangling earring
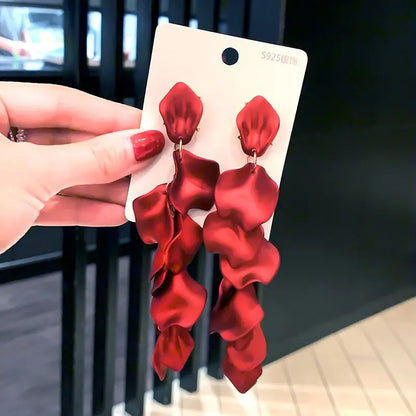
x=245, y=199
x=162, y=218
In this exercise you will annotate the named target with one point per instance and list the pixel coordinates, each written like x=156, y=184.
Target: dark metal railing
x=73, y=322
x=261, y=20
x=74, y=247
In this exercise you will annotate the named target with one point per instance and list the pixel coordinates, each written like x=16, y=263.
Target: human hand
x=72, y=168
x=22, y=49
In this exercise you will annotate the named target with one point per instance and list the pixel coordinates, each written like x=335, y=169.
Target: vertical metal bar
x=105, y=321
x=266, y=21
x=162, y=390
x=217, y=346
x=202, y=269
x=139, y=328
x=147, y=15
x=208, y=12
x=74, y=250
x=179, y=12
x=238, y=12
x=75, y=41
x=138, y=374
x=73, y=322
x=111, y=69
x=106, y=286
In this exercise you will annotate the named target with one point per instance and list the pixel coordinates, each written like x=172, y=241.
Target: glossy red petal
x=248, y=351
x=258, y=124
x=181, y=110
x=223, y=236
x=158, y=262
x=243, y=381
x=247, y=195
x=194, y=182
x=262, y=268
x=179, y=301
x=236, y=312
x=182, y=249
x=172, y=350
x=157, y=360
x=159, y=279
x=154, y=221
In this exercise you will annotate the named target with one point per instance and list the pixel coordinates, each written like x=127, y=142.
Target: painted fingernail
x=147, y=144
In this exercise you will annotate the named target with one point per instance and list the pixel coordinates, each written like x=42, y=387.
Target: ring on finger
x=17, y=135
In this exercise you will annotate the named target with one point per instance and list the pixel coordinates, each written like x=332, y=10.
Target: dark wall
x=344, y=218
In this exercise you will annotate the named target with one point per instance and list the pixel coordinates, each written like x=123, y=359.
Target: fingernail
x=147, y=144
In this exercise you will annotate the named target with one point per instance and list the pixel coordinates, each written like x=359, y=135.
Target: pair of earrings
x=245, y=198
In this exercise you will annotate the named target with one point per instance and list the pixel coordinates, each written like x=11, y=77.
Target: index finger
x=27, y=105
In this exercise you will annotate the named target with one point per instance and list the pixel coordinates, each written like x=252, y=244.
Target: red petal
x=182, y=249
x=248, y=351
x=243, y=380
x=236, y=312
x=181, y=110
x=258, y=124
x=154, y=221
x=194, y=182
x=159, y=279
x=158, y=262
x=172, y=350
x=223, y=236
x=247, y=195
x=179, y=301
x=262, y=268
x=157, y=360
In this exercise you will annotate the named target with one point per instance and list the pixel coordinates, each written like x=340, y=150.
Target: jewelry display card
x=196, y=57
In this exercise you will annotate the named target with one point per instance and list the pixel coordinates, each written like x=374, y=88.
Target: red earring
x=162, y=218
x=245, y=199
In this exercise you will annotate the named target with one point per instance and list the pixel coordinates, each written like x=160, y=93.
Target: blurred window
x=31, y=38
x=32, y=34
x=130, y=39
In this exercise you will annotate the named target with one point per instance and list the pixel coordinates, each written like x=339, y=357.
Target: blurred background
x=344, y=222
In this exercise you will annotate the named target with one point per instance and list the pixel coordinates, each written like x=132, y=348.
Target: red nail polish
x=147, y=144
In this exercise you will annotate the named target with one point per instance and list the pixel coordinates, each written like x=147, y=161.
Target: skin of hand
x=17, y=47
x=26, y=47
x=23, y=49
x=73, y=168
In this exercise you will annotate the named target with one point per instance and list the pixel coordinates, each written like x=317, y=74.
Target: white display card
x=192, y=56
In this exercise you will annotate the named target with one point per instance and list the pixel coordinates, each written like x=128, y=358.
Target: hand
x=72, y=169
x=22, y=49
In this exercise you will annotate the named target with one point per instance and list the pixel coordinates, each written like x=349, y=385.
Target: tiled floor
x=366, y=369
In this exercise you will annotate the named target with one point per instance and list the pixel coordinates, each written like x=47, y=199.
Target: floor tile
x=381, y=390
x=406, y=335
x=310, y=392
x=343, y=384
x=273, y=373
x=395, y=360
x=403, y=312
x=277, y=408
x=366, y=369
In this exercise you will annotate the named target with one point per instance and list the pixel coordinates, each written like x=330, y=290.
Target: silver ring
x=178, y=147
x=254, y=156
x=17, y=135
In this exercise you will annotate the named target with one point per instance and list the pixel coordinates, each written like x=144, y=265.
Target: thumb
x=102, y=159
